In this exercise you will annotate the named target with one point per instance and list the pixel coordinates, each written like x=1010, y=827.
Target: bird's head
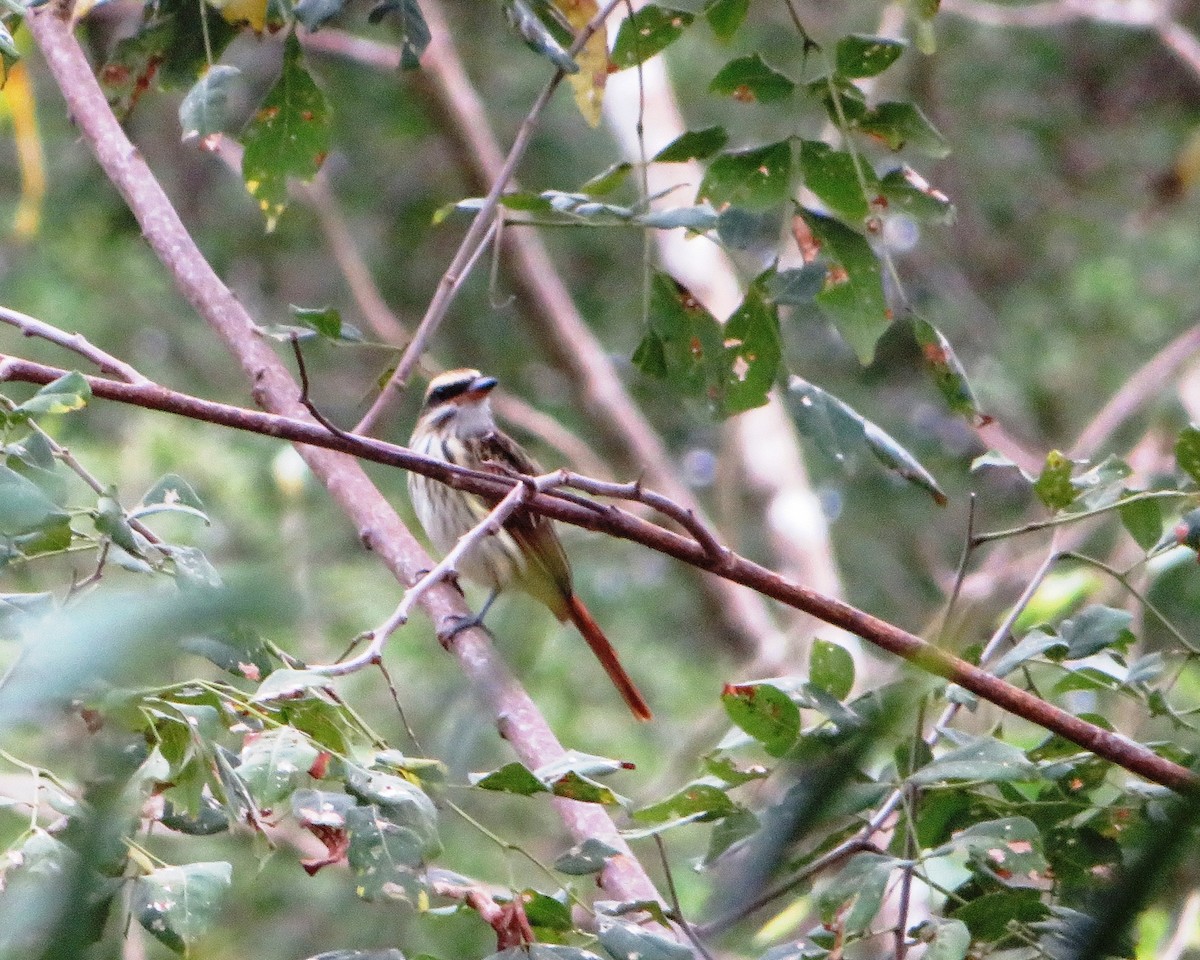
x=458, y=394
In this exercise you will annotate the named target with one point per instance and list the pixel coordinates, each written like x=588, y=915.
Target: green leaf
x=765, y=712
x=754, y=179
x=838, y=430
x=327, y=322
x=725, y=16
x=111, y=522
x=205, y=109
x=906, y=191
x=576, y=786
x=386, y=857
x=796, y=287
x=864, y=56
x=511, y=778
x=628, y=941
x=649, y=31
x=832, y=176
x=855, y=894
x=24, y=508
x=986, y=759
x=170, y=494
x=66, y=394
x=901, y=124
x=852, y=295
x=1054, y=487
x=606, y=181
x=178, y=905
x=752, y=352
x=402, y=801
x=275, y=763
x=698, y=801
x=988, y=917
x=584, y=858
x=947, y=372
x=749, y=79
x=1033, y=644
x=699, y=219
x=693, y=145
x=288, y=684
x=951, y=940
x=1187, y=451
x=726, y=770
x=1010, y=844
x=831, y=668
x=1144, y=521
x=1096, y=628
x=546, y=912
x=289, y=136
x=685, y=344
x=414, y=31
x=537, y=35
x=314, y=14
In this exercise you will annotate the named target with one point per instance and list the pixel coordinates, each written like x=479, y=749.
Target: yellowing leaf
x=252, y=12
x=19, y=99
x=588, y=83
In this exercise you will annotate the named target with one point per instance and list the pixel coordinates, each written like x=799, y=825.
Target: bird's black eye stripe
x=447, y=391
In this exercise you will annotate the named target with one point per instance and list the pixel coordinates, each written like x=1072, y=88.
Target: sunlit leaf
x=649, y=31
x=749, y=79
x=289, y=136
x=831, y=668
x=178, y=905
x=1053, y=486
x=765, y=712
x=756, y=178
x=852, y=295
x=693, y=145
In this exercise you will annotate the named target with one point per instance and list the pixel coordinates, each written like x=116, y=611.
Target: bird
x=456, y=425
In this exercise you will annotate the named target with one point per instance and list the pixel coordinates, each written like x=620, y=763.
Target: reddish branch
x=615, y=522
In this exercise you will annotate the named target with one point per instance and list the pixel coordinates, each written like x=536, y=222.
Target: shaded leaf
x=1143, y=520
x=902, y=124
x=1033, y=644
x=274, y=763
x=649, y=31
x=947, y=372
x=693, y=145
x=205, y=108
x=906, y=191
x=414, y=31
x=697, y=801
x=832, y=176
x=752, y=352
x=385, y=856
x=576, y=786
x=950, y=940
x=171, y=492
x=865, y=56
x=796, y=287
x=725, y=16
x=584, y=858
x=289, y=136
x=177, y=905
x=755, y=179
x=852, y=295
x=986, y=759
x=314, y=14
x=988, y=917
x=684, y=343
x=855, y=894
x=838, y=430
x=1096, y=628
x=606, y=181
x=627, y=941
x=765, y=712
x=538, y=35
x=24, y=508
x=1187, y=451
x=748, y=79
x=66, y=394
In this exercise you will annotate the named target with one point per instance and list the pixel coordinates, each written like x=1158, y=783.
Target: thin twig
x=476, y=237
x=964, y=558
x=75, y=342
x=1065, y=519
x=676, y=908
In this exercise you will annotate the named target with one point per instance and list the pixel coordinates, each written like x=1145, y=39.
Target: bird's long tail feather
x=607, y=656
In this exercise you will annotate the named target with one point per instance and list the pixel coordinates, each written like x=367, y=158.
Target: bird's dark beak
x=483, y=385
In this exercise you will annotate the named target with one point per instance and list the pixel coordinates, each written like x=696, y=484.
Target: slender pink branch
x=75, y=342
x=1110, y=746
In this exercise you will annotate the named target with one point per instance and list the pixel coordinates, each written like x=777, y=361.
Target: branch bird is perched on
x=456, y=425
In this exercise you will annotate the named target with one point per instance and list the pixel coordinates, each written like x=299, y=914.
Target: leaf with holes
x=649, y=31
x=900, y=125
x=863, y=56
x=178, y=905
x=947, y=372
x=752, y=352
x=765, y=712
x=756, y=178
x=834, y=178
x=684, y=344
x=906, y=191
x=693, y=145
x=289, y=136
x=698, y=800
x=750, y=79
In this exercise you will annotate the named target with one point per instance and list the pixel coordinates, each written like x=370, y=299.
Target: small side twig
x=676, y=908
x=305, y=398
x=75, y=342
x=446, y=568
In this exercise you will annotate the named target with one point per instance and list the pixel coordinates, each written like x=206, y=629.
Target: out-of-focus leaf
x=831, y=668
x=588, y=84
x=545, y=912
x=327, y=321
x=1103, y=484
x=765, y=712
x=253, y=13
x=852, y=296
x=755, y=179
x=1187, y=451
x=693, y=145
x=414, y=31
x=1053, y=486
x=725, y=16
x=727, y=771
x=1187, y=531
x=902, y=124
x=403, y=803
x=205, y=109
x=628, y=941
x=947, y=372
x=68, y=393
x=1096, y=628
x=749, y=79
x=698, y=219
x=864, y=56
x=314, y=14
x=9, y=54
x=832, y=176
x=288, y=684
x=699, y=800
x=752, y=352
x=839, y=430
x=537, y=35
x=986, y=759
x=584, y=858
x=24, y=508
x=949, y=940
x=111, y=522
x=606, y=181
x=170, y=494
x=1033, y=644
x=649, y=31
x=178, y=905
x=576, y=786
x=289, y=136
x=988, y=917
x=906, y=191
x=1010, y=845
x=275, y=763
x=796, y=287
x=1143, y=520
x=543, y=951
x=386, y=857
x=855, y=894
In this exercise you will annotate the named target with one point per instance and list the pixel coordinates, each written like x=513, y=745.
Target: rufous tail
x=607, y=656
